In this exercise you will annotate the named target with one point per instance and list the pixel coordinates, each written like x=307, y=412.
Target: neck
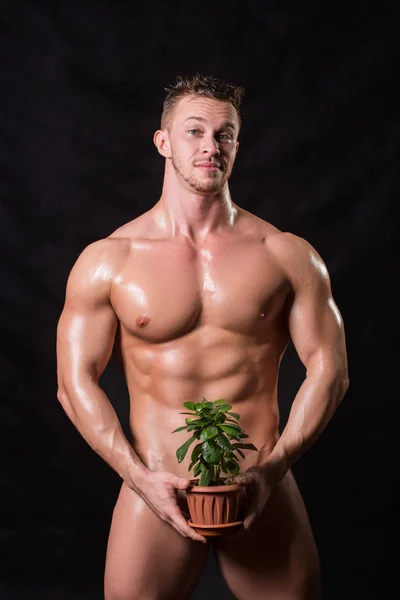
x=182, y=211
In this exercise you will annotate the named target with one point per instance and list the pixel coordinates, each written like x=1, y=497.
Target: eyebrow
x=202, y=120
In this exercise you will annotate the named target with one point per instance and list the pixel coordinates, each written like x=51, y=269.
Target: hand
x=159, y=490
x=258, y=491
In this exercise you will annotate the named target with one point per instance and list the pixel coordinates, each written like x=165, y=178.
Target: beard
x=208, y=185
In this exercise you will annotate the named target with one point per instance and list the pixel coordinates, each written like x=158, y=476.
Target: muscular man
x=200, y=298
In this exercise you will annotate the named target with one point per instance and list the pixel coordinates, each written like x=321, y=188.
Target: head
x=199, y=132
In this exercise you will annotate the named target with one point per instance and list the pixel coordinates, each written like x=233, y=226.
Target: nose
x=210, y=146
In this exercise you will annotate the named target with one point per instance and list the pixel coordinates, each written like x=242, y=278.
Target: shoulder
x=297, y=257
x=292, y=253
x=106, y=252
x=98, y=265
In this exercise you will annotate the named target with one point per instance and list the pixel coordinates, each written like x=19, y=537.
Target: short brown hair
x=201, y=85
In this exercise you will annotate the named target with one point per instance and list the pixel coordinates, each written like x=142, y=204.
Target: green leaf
x=229, y=429
x=200, y=422
x=191, y=421
x=189, y=405
x=225, y=462
x=245, y=446
x=182, y=450
x=235, y=426
x=233, y=467
x=205, y=403
x=223, y=442
x=234, y=415
x=220, y=401
x=250, y=447
x=196, y=452
x=240, y=452
x=186, y=413
x=180, y=429
x=211, y=452
x=220, y=418
x=224, y=408
x=197, y=470
x=205, y=476
x=210, y=432
x=192, y=427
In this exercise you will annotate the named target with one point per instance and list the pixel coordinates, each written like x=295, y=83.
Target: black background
x=81, y=96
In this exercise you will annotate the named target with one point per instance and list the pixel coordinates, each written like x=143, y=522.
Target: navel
x=142, y=321
x=261, y=314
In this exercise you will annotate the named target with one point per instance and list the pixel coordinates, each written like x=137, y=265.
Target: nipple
x=142, y=321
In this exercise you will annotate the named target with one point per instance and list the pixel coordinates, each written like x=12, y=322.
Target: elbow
x=62, y=395
x=63, y=398
x=343, y=384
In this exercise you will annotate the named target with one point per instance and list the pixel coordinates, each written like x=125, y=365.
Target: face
x=203, y=142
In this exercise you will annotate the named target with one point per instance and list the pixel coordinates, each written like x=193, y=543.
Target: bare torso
x=190, y=320
x=207, y=321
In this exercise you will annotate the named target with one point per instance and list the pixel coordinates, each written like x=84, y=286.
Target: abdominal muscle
x=208, y=364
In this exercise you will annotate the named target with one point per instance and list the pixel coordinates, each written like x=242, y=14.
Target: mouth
x=209, y=166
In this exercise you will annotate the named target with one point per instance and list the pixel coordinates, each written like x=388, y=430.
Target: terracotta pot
x=216, y=507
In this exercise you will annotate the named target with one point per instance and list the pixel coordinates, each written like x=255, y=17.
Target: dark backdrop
x=81, y=95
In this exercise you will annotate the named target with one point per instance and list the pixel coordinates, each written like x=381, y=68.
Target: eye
x=195, y=131
x=226, y=137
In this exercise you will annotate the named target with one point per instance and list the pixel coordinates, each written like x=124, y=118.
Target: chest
x=165, y=290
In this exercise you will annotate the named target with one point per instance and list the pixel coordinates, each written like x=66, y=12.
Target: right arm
x=85, y=339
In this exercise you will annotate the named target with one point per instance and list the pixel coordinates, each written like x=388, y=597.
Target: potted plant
x=214, y=500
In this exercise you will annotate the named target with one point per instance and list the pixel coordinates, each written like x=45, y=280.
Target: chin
x=209, y=187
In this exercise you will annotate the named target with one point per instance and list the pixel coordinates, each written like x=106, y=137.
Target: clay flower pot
x=215, y=510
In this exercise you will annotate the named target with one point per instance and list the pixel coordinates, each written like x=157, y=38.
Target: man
x=200, y=298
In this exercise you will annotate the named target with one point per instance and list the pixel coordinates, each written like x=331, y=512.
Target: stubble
x=209, y=185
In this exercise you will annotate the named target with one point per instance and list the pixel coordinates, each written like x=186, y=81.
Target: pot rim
x=213, y=489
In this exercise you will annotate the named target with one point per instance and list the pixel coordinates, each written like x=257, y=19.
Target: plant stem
x=216, y=473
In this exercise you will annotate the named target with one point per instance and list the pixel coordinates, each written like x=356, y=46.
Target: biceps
x=316, y=329
x=84, y=342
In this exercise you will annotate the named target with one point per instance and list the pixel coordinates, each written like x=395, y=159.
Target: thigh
x=277, y=559
x=146, y=558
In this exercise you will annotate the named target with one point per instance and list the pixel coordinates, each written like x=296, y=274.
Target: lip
x=209, y=166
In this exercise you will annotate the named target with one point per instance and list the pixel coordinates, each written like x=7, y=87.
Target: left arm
x=317, y=331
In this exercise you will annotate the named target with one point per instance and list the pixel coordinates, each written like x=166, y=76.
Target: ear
x=161, y=141
x=237, y=146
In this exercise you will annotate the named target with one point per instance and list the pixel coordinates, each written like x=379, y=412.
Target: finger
x=249, y=520
x=182, y=483
x=242, y=479
x=184, y=528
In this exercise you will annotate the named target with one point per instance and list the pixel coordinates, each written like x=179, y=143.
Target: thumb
x=249, y=520
x=242, y=479
x=182, y=483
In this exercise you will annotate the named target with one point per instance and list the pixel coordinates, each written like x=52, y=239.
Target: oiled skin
x=188, y=319
x=205, y=335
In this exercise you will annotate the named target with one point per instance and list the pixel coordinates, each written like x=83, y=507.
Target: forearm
x=94, y=417
x=312, y=409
